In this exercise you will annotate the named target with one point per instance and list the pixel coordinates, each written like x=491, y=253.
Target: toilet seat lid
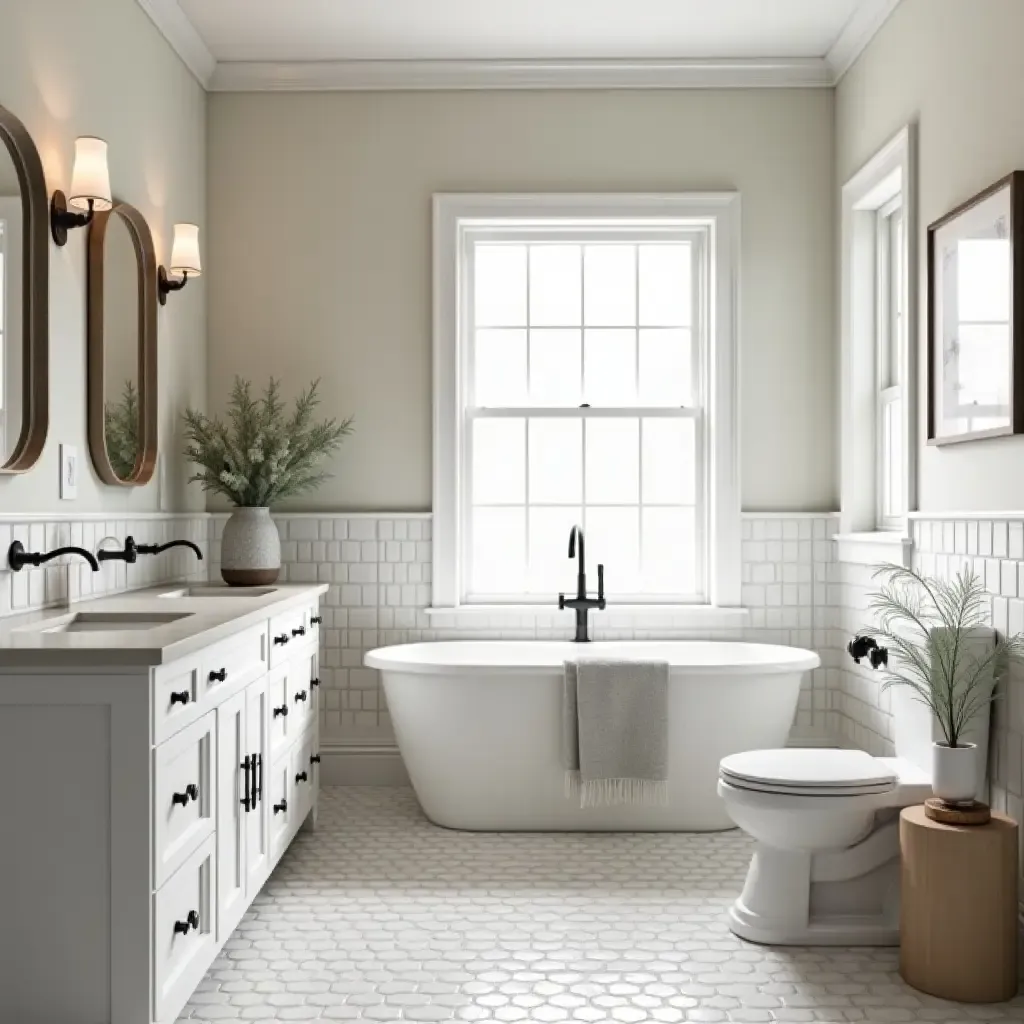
x=822, y=771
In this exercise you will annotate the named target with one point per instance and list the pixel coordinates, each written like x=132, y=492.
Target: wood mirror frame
x=35, y=382
x=145, y=259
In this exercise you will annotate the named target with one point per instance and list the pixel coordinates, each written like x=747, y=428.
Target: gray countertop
x=25, y=644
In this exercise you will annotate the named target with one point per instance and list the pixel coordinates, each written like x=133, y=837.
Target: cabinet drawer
x=184, y=929
x=304, y=777
x=232, y=663
x=303, y=688
x=279, y=698
x=177, y=699
x=288, y=631
x=282, y=804
x=183, y=795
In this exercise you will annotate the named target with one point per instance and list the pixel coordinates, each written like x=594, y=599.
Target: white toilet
x=826, y=869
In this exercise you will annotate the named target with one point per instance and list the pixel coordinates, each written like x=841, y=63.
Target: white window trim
x=890, y=172
x=453, y=214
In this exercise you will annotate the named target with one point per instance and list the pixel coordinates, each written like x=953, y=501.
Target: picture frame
x=975, y=337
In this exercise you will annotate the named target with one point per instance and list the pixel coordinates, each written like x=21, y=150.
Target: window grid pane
x=608, y=324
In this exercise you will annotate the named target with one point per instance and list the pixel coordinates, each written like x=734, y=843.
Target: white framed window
x=878, y=317
x=584, y=373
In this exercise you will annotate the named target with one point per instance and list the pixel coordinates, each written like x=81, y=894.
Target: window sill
x=874, y=548
x=615, y=616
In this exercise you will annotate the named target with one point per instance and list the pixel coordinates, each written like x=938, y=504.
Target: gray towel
x=615, y=732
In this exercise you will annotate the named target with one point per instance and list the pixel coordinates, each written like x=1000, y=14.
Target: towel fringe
x=609, y=792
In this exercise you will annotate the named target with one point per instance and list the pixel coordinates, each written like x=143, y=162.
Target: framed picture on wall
x=975, y=338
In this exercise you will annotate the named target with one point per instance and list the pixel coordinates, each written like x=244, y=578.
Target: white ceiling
x=301, y=30
x=283, y=43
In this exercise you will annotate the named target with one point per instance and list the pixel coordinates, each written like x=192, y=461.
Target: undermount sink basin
x=216, y=591
x=109, y=622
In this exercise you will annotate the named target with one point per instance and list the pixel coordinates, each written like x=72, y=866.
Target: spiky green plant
x=925, y=624
x=121, y=422
x=261, y=455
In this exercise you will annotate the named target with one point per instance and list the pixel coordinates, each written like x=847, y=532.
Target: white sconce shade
x=90, y=179
x=185, y=250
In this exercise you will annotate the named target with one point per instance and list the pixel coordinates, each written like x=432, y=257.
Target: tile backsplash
x=70, y=578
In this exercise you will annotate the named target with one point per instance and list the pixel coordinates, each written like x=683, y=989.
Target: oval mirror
x=122, y=346
x=24, y=302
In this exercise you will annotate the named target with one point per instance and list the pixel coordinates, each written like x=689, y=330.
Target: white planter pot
x=250, y=552
x=955, y=772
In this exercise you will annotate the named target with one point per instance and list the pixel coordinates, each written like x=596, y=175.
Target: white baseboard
x=355, y=763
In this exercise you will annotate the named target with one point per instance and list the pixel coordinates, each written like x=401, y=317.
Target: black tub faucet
x=18, y=557
x=582, y=604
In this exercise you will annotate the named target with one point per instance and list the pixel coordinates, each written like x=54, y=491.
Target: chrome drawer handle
x=282, y=806
x=282, y=710
x=190, y=922
x=180, y=697
x=219, y=676
x=191, y=793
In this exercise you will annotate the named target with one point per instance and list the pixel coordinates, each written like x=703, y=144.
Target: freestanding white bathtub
x=478, y=725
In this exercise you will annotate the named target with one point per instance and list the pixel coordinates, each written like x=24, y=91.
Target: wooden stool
x=958, y=910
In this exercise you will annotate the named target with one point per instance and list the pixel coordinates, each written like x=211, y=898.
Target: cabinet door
x=257, y=821
x=279, y=687
x=280, y=797
x=232, y=780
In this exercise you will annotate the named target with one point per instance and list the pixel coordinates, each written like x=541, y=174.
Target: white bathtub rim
x=542, y=657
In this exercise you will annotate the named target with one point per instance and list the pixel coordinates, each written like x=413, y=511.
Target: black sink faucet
x=18, y=557
x=156, y=549
x=129, y=553
x=582, y=604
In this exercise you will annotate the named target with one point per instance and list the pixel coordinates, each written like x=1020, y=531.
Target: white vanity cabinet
x=168, y=793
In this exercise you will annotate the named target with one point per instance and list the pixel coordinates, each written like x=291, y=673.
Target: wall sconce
x=184, y=261
x=90, y=190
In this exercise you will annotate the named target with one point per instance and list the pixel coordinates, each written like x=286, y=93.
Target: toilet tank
x=915, y=728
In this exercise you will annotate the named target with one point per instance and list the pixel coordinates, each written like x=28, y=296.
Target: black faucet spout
x=18, y=557
x=582, y=604
x=156, y=549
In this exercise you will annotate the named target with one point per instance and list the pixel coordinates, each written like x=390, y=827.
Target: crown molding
x=388, y=75
x=858, y=32
x=176, y=28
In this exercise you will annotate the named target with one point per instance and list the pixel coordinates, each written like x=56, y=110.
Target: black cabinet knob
x=314, y=683
x=282, y=639
x=180, y=697
x=191, y=793
x=282, y=710
x=316, y=620
x=219, y=676
x=301, y=695
x=301, y=777
x=314, y=758
x=282, y=806
x=191, y=922
x=300, y=631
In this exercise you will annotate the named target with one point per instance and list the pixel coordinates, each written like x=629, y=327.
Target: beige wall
x=319, y=248
x=953, y=66
x=70, y=68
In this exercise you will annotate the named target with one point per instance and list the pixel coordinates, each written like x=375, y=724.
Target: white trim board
x=361, y=763
x=389, y=75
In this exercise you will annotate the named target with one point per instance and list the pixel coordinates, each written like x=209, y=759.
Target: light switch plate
x=68, y=472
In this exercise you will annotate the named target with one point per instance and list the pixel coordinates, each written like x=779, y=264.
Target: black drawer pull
x=282, y=639
x=282, y=710
x=300, y=631
x=191, y=793
x=282, y=806
x=180, y=697
x=190, y=922
x=247, y=801
x=314, y=683
x=301, y=777
x=219, y=676
x=316, y=620
x=314, y=758
x=301, y=695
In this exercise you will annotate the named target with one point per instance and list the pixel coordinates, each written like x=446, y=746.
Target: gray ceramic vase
x=250, y=551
